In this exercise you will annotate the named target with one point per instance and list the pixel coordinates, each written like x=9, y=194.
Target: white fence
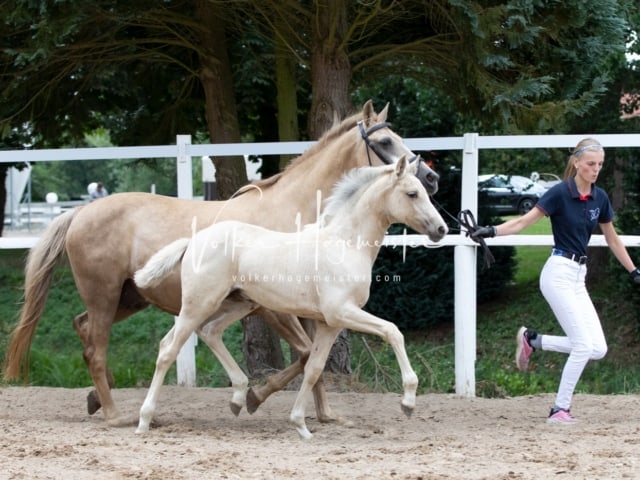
x=464, y=249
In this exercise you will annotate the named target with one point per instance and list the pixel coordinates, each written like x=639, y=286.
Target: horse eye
x=412, y=194
x=385, y=141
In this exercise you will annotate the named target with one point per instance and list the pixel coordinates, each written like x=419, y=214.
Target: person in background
x=575, y=207
x=99, y=192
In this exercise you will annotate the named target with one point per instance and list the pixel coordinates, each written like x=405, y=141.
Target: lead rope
x=468, y=221
x=468, y=224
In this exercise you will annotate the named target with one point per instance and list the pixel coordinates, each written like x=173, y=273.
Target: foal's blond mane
x=349, y=189
x=333, y=133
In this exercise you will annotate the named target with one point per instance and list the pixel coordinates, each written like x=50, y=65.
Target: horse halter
x=365, y=136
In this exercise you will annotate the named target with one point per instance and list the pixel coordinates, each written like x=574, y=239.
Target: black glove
x=483, y=232
x=635, y=276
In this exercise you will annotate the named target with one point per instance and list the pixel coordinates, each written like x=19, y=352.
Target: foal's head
x=391, y=192
x=407, y=202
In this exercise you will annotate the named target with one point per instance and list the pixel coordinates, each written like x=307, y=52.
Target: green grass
x=56, y=355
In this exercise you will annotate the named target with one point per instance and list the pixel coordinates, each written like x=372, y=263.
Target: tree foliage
x=67, y=65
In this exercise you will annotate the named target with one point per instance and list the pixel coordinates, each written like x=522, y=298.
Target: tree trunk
x=220, y=106
x=288, y=130
x=4, y=169
x=261, y=346
x=330, y=67
x=330, y=78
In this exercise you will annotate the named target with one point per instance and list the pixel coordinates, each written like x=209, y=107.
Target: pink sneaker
x=560, y=415
x=523, y=350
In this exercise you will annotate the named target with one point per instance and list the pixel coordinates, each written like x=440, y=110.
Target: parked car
x=509, y=193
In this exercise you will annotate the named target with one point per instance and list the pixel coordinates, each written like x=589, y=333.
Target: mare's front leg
x=322, y=343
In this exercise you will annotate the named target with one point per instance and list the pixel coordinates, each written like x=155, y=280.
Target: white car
x=547, y=180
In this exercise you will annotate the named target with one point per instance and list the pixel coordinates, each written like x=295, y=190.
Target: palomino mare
x=322, y=272
x=109, y=239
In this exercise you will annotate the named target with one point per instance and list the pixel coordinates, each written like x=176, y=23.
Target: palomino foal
x=322, y=272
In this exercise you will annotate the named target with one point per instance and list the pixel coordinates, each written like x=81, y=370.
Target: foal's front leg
x=353, y=318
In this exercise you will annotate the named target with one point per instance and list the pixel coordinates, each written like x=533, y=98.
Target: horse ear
x=402, y=166
x=413, y=166
x=382, y=116
x=368, y=113
x=336, y=119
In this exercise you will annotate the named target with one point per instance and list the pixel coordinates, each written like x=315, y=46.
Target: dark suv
x=511, y=194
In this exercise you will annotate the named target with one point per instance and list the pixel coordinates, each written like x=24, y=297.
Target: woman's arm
x=518, y=224
x=616, y=246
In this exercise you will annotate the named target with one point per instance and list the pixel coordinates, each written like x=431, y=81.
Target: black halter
x=373, y=146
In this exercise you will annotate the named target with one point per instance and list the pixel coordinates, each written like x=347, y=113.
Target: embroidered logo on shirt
x=594, y=214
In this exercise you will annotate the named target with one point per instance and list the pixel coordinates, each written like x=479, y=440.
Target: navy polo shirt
x=573, y=219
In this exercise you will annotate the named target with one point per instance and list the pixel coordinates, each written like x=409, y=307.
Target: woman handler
x=574, y=206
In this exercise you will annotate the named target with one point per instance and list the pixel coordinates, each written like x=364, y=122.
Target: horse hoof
x=235, y=408
x=93, y=404
x=407, y=410
x=252, y=401
x=304, y=433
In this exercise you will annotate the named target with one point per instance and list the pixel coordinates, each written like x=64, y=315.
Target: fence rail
x=465, y=251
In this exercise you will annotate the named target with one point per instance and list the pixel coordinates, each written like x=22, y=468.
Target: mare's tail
x=42, y=260
x=161, y=264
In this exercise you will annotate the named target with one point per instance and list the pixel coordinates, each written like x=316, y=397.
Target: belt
x=579, y=259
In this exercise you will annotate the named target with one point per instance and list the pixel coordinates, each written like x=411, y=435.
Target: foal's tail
x=42, y=260
x=161, y=264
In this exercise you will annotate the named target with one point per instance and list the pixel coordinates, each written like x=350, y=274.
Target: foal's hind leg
x=319, y=391
x=211, y=333
x=170, y=345
x=313, y=369
x=289, y=328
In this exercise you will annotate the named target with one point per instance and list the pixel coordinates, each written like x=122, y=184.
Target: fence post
x=186, y=360
x=465, y=278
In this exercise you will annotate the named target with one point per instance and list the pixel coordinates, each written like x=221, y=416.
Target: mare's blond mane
x=333, y=133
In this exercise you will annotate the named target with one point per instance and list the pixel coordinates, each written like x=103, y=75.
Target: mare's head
x=407, y=201
x=363, y=139
x=384, y=146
